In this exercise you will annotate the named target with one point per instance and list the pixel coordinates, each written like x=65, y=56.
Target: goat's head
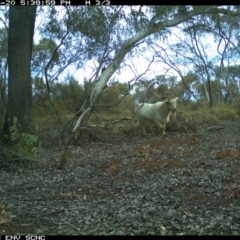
x=172, y=103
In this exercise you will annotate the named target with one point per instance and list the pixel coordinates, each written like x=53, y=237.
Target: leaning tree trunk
x=20, y=40
x=206, y=91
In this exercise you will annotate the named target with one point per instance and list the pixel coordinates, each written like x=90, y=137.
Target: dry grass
x=187, y=121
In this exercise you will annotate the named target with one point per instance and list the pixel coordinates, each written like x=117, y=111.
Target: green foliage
x=225, y=112
x=124, y=108
x=236, y=105
x=24, y=143
x=164, y=11
x=93, y=26
x=50, y=114
x=201, y=104
x=42, y=53
x=112, y=95
x=44, y=115
x=189, y=121
x=200, y=116
x=66, y=98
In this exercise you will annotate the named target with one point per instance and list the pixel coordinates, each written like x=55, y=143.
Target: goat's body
x=157, y=113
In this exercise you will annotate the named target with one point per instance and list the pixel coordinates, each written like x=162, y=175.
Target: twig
x=213, y=128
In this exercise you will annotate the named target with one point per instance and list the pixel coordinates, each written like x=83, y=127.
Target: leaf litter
x=178, y=184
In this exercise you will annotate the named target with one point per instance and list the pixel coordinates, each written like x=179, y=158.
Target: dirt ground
x=181, y=183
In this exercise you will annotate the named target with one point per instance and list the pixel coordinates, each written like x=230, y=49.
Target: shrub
x=236, y=105
x=225, y=112
x=24, y=143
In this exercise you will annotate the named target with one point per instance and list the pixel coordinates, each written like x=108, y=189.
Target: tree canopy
x=113, y=37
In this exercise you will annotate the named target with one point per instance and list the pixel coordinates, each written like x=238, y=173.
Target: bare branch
x=214, y=128
x=172, y=65
x=128, y=45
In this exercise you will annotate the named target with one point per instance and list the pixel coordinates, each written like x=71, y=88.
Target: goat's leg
x=164, y=131
x=162, y=126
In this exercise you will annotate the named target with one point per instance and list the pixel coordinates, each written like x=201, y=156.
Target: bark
x=153, y=26
x=206, y=91
x=20, y=40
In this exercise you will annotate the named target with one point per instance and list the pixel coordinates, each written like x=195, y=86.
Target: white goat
x=157, y=113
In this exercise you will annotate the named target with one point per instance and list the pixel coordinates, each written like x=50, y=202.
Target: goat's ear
x=175, y=99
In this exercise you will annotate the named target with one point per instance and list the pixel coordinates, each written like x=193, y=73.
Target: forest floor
x=181, y=183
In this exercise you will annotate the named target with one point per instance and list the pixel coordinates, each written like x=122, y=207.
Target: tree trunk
x=20, y=40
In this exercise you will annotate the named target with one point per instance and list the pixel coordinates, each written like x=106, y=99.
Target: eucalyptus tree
x=158, y=19
x=82, y=34
x=110, y=35
x=20, y=39
x=42, y=52
x=188, y=53
x=3, y=74
x=225, y=30
x=228, y=82
x=226, y=33
x=192, y=52
x=77, y=34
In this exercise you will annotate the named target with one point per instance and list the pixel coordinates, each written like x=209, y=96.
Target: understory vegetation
x=75, y=156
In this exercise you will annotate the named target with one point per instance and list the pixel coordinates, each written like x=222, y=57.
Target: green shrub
x=24, y=143
x=191, y=121
x=236, y=105
x=225, y=112
x=201, y=104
